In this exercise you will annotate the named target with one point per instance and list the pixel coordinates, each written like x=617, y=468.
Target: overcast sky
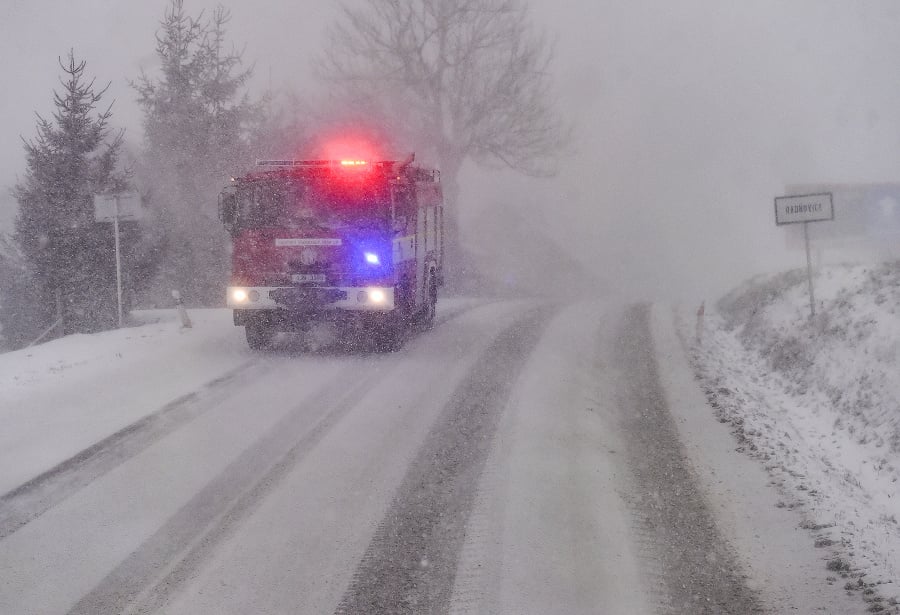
x=690, y=116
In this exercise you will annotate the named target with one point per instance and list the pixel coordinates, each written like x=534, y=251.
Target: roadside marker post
x=701, y=311
x=182, y=312
x=805, y=208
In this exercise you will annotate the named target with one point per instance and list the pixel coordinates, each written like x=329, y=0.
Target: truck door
x=439, y=248
x=421, y=252
x=405, y=248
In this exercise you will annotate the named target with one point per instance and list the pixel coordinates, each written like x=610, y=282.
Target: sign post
x=804, y=209
x=809, y=275
x=119, y=262
x=110, y=208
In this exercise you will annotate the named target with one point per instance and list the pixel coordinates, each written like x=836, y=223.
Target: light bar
x=278, y=163
x=313, y=163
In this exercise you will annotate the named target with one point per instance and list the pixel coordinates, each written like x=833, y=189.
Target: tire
x=259, y=336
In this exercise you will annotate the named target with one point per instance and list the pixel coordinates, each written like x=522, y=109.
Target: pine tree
x=196, y=123
x=21, y=314
x=222, y=91
x=63, y=266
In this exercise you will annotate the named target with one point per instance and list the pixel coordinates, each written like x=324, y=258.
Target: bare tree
x=466, y=79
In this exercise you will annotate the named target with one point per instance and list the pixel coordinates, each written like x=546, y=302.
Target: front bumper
x=311, y=298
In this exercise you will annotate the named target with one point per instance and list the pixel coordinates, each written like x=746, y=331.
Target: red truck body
x=349, y=241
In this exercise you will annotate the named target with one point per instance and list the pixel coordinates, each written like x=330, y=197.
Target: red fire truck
x=358, y=242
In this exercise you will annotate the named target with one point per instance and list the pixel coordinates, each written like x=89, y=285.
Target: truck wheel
x=259, y=335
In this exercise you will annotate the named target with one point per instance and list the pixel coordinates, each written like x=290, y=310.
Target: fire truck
x=356, y=242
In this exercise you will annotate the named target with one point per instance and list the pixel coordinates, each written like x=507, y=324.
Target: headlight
x=239, y=295
x=372, y=258
x=376, y=295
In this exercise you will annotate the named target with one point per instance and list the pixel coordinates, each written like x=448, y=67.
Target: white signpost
x=112, y=208
x=804, y=209
x=869, y=220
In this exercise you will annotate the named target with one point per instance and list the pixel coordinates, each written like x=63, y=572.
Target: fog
x=688, y=118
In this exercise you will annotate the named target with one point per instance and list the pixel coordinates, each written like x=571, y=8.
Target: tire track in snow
x=144, y=582
x=155, y=570
x=35, y=497
x=692, y=568
x=32, y=499
x=475, y=584
x=410, y=564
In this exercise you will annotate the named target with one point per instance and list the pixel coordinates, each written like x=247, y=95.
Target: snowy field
x=71, y=392
x=818, y=402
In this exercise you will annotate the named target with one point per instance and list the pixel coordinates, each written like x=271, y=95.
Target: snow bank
x=63, y=396
x=819, y=402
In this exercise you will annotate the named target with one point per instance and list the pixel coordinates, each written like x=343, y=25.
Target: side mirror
x=228, y=210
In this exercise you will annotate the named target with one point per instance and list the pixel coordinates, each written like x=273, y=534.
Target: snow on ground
x=537, y=550
x=69, y=393
x=819, y=403
x=72, y=392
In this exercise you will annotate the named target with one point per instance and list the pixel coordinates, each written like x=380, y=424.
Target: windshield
x=293, y=203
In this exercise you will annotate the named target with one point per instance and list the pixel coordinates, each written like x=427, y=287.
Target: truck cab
x=352, y=241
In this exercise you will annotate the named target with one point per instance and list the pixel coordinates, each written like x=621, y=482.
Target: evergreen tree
x=229, y=110
x=196, y=121
x=62, y=265
x=21, y=313
x=279, y=128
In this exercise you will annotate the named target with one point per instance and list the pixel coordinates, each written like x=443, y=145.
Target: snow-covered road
x=521, y=457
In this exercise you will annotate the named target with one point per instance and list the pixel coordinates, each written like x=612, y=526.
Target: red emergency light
x=349, y=150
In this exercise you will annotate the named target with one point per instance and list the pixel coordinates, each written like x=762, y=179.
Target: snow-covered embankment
x=818, y=401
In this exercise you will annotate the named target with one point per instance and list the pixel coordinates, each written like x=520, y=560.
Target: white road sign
x=803, y=208
x=117, y=208
x=129, y=207
x=866, y=215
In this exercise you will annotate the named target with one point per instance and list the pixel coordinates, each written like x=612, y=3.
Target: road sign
x=114, y=208
x=868, y=215
x=803, y=208
x=129, y=207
